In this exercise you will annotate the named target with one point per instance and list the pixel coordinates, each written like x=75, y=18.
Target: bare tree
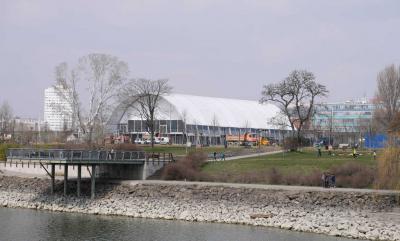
x=6, y=120
x=184, y=118
x=295, y=96
x=280, y=122
x=144, y=95
x=103, y=75
x=388, y=96
x=214, y=124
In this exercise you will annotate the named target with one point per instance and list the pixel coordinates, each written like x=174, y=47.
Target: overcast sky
x=205, y=47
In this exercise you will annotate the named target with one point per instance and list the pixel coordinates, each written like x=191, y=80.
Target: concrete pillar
x=53, y=174
x=65, y=179
x=144, y=170
x=93, y=180
x=78, y=184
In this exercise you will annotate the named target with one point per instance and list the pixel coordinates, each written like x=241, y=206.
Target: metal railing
x=75, y=155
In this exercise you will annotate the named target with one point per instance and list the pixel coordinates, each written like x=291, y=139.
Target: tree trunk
x=152, y=132
x=152, y=138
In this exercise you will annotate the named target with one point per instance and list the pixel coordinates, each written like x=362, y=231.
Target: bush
x=310, y=179
x=187, y=168
x=291, y=143
x=124, y=147
x=3, y=150
x=274, y=176
x=349, y=175
x=354, y=175
x=389, y=169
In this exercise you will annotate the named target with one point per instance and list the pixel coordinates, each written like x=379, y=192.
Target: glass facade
x=202, y=134
x=349, y=116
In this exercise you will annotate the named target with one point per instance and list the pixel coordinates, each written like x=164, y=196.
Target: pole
x=53, y=172
x=65, y=179
x=78, y=184
x=93, y=180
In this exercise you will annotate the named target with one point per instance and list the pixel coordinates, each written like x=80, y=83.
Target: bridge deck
x=93, y=158
x=72, y=157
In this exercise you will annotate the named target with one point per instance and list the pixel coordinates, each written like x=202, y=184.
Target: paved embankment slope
x=350, y=213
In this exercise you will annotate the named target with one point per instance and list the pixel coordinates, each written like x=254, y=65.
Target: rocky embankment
x=355, y=215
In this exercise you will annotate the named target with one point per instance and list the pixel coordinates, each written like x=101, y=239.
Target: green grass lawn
x=286, y=163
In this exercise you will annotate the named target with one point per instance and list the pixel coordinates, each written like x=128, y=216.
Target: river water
x=25, y=224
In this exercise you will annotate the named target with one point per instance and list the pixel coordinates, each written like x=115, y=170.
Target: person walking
x=223, y=156
x=319, y=151
x=374, y=154
x=354, y=152
x=215, y=155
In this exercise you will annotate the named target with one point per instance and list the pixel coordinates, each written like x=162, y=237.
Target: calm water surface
x=24, y=224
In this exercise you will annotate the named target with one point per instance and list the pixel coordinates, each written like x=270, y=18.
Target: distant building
x=57, y=109
x=343, y=122
x=348, y=116
x=28, y=124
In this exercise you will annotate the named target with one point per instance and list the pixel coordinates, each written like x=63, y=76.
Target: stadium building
x=200, y=120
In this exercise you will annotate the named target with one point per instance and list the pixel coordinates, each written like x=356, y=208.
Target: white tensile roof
x=203, y=110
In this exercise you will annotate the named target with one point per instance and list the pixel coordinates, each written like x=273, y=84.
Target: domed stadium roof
x=224, y=112
x=208, y=111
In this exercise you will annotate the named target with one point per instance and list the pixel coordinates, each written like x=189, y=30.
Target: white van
x=164, y=140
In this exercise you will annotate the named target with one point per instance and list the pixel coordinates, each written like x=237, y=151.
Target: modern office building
x=200, y=120
x=57, y=109
x=348, y=116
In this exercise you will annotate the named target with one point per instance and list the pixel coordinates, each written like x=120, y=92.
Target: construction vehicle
x=247, y=139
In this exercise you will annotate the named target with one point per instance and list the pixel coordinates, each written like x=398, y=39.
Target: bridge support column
x=144, y=171
x=65, y=179
x=78, y=184
x=53, y=176
x=93, y=181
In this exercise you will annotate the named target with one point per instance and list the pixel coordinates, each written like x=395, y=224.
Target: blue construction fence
x=375, y=141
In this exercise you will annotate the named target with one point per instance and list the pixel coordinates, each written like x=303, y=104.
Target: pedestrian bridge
x=119, y=164
x=61, y=156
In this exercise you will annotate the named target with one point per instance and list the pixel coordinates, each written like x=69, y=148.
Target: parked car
x=156, y=140
x=139, y=141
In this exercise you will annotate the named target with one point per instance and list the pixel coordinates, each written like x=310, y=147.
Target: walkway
x=257, y=186
x=245, y=156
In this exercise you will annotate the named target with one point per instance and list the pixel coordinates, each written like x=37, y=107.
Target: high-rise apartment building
x=57, y=109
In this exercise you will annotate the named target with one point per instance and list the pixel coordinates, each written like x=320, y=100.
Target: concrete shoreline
x=353, y=214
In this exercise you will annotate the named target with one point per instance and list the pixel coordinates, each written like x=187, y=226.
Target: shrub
x=350, y=175
x=187, y=168
x=388, y=175
x=353, y=175
x=291, y=143
x=125, y=147
x=3, y=150
x=274, y=176
x=310, y=179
